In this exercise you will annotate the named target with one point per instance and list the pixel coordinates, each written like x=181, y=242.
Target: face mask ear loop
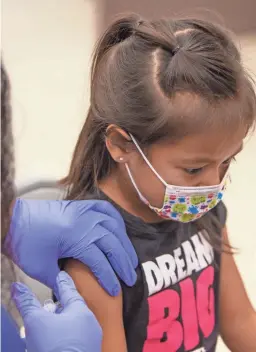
x=147, y=161
x=134, y=184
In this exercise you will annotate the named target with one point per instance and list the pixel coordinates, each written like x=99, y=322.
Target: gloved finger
x=59, y=309
x=101, y=207
x=118, y=258
x=119, y=230
x=16, y=220
x=107, y=208
x=111, y=219
x=101, y=269
x=24, y=299
x=67, y=292
x=50, y=280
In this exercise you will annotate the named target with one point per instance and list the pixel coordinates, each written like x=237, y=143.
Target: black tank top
x=173, y=306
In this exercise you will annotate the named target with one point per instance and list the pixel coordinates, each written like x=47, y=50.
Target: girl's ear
x=118, y=143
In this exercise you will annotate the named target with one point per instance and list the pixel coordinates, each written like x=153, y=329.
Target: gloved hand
x=74, y=329
x=92, y=231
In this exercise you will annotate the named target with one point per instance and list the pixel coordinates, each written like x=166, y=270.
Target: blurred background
x=47, y=47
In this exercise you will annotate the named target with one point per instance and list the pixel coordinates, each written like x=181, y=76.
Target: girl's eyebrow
x=205, y=160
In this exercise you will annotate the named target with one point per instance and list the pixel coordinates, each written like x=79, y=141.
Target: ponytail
x=120, y=30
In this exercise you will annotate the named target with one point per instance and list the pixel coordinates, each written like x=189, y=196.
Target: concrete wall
x=47, y=47
x=236, y=14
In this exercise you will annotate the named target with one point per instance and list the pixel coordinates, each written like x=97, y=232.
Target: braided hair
x=7, y=189
x=7, y=152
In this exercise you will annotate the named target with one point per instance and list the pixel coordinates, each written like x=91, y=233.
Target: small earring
x=121, y=159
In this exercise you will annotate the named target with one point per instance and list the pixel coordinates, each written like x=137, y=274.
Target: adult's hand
x=92, y=231
x=74, y=329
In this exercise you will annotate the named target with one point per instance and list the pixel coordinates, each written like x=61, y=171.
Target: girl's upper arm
x=108, y=310
x=237, y=316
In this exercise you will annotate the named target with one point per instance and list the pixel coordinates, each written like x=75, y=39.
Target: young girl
x=170, y=107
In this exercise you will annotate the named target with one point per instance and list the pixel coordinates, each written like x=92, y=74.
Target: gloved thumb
x=24, y=299
x=67, y=292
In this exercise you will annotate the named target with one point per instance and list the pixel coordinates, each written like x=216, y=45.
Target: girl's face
x=196, y=160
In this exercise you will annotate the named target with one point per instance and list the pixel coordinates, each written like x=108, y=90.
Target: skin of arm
x=237, y=316
x=108, y=310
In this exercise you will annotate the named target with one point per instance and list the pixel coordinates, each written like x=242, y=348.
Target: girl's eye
x=193, y=171
x=228, y=161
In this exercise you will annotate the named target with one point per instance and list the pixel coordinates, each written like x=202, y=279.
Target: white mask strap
x=134, y=183
x=147, y=161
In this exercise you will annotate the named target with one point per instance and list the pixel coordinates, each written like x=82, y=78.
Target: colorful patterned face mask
x=184, y=204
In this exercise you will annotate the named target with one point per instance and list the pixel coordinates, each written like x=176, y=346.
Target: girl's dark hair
x=159, y=79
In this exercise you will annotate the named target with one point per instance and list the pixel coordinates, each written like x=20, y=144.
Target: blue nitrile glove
x=93, y=231
x=74, y=329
